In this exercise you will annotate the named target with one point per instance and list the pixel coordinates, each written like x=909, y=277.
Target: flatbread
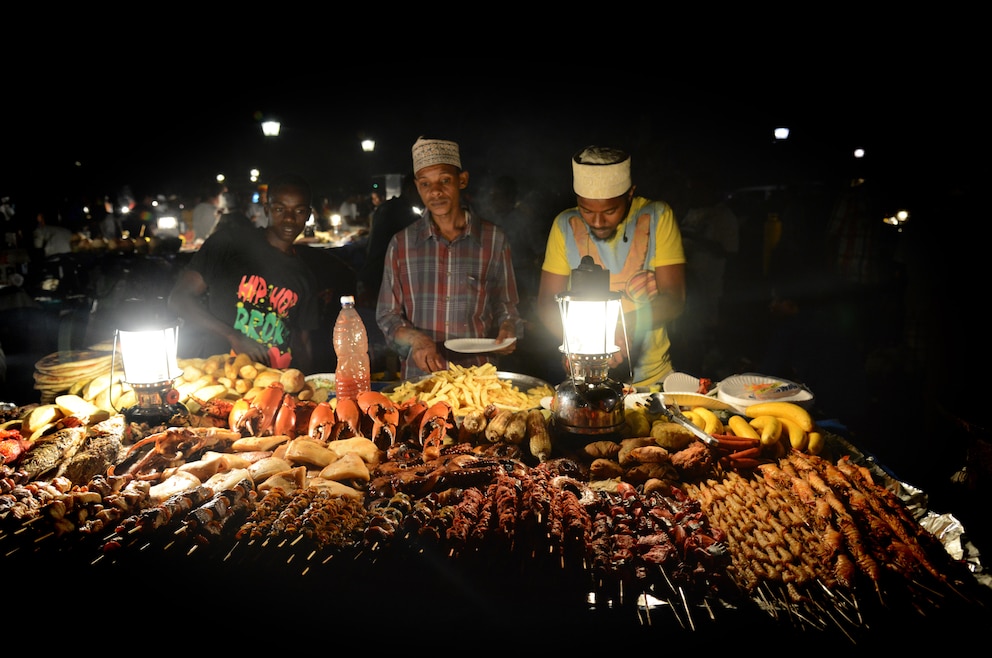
x=72, y=360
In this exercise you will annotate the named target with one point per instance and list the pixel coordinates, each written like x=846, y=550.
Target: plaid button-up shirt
x=465, y=288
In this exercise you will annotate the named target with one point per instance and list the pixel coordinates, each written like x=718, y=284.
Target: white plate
x=321, y=380
x=323, y=384
x=744, y=390
x=687, y=400
x=680, y=382
x=476, y=345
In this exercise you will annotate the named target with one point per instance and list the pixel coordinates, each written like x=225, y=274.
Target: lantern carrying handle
x=113, y=361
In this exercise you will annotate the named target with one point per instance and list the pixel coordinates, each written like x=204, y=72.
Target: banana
x=740, y=427
x=770, y=428
x=778, y=449
x=798, y=437
x=693, y=418
x=713, y=425
x=789, y=410
x=815, y=444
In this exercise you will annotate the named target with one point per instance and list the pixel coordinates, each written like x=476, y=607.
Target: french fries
x=470, y=389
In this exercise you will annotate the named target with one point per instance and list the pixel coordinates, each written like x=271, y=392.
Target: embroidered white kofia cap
x=427, y=152
x=600, y=172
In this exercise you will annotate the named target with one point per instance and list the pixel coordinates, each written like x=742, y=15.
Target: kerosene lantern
x=146, y=342
x=589, y=403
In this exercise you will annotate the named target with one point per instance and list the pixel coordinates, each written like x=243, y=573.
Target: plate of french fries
x=474, y=388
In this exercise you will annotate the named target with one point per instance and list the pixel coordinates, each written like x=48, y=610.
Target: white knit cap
x=427, y=152
x=600, y=172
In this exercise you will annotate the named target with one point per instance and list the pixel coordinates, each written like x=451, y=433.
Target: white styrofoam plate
x=476, y=345
x=686, y=400
x=750, y=388
x=680, y=382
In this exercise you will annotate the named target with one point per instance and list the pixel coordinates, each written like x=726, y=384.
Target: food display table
x=489, y=548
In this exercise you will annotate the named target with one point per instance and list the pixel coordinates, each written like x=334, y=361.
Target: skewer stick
x=643, y=602
x=706, y=604
x=840, y=627
x=685, y=606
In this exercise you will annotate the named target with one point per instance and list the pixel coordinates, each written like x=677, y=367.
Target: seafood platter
x=452, y=506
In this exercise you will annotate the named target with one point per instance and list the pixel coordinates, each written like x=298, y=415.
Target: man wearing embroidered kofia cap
x=638, y=241
x=448, y=275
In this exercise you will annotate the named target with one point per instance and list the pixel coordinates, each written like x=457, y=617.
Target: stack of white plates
x=741, y=391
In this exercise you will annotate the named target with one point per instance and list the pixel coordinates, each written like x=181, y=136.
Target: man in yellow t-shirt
x=638, y=241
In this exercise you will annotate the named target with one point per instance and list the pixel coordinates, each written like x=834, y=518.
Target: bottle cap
x=347, y=299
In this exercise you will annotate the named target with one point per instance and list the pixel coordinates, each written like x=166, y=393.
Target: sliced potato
x=233, y=364
x=249, y=372
x=191, y=372
x=42, y=431
x=40, y=416
x=127, y=399
x=98, y=385
x=15, y=424
x=74, y=405
x=213, y=364
x=210, y=392
x=266, y=377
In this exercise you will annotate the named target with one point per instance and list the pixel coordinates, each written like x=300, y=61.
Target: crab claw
x=321, y=421
x=381, y=418
x=285, y=419
x=411, y=413
x=437, y=420
x=347, y=420
x=259, y=418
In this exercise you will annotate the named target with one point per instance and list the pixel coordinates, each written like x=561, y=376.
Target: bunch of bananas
x=780, y=426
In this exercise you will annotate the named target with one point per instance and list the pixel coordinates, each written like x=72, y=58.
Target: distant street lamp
x=271, y=128
x=368, y=145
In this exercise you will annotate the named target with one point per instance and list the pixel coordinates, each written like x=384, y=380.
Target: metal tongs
x=657, y=405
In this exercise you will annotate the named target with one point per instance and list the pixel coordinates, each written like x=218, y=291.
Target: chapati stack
x=58, y=372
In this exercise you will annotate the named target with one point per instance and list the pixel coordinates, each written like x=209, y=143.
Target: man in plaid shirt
x=447, y=275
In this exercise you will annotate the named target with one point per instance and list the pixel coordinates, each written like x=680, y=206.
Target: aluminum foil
x=946, y=527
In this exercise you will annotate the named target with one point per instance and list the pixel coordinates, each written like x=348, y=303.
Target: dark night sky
x=161, y=137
